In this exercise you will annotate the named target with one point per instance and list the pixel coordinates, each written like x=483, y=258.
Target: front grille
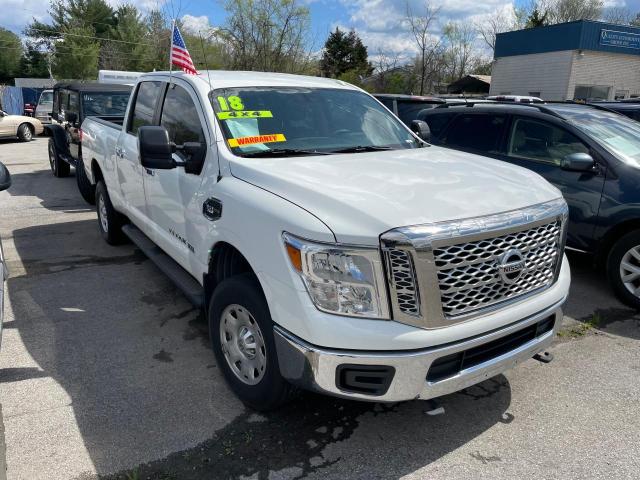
x=468, y=273
x=403, y=279
x=451, y=365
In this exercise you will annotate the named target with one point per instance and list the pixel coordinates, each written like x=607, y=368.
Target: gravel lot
x=105, y=372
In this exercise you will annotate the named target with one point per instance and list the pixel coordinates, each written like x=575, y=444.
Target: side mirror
x=2, y=114
x=155, y=148
x=420, y=128
x=578, y=162
x=71, y=117
x=5, y=177
x=54, y=115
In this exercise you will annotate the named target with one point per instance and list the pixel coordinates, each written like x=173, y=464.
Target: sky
x=378, y=22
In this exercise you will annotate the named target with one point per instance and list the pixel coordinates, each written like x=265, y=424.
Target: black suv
x=407, y=107
x=591, y=154
x=72, y=102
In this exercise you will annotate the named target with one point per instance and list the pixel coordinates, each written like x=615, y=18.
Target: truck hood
x=361, y=195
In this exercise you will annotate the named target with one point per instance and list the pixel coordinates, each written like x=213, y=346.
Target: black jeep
x=72, y=102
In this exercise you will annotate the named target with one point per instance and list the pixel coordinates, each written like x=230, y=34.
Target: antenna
x=173, y=29
x=204, y=56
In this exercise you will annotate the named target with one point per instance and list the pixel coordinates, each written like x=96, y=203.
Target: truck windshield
x=285, y=121
x=46, y=98
x=617, y=133
x=105, y=103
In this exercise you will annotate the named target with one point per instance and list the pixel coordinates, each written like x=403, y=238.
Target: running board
x=178, y=275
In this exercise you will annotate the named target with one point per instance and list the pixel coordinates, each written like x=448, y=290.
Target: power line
x=96, y=38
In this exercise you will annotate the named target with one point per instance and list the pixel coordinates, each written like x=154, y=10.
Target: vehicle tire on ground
x=25, y=133
x=623, y=268
x=109, y=220
x=59, y=167
x=87, y=190
x=241, y=332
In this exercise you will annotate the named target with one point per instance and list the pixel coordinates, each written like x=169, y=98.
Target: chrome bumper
x=314, y=368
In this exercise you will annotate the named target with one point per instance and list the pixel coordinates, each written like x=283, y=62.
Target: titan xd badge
x=212, y=209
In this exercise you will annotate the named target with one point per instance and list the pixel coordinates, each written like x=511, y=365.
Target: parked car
x=628, y=109
x=407, y=107
x=19, y=126
x=515, y=98
x=45, y=107
x=591, y=154
x=72, y=102
x=330, y=247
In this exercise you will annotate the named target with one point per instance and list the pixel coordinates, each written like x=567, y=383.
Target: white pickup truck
x=331, y=247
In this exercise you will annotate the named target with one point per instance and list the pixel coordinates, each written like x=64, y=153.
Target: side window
x=180, y=118
x=73, y=102
x=144, y=108
x=436, y=122
x=480, y=132
x=542, y=141
x=64, y=101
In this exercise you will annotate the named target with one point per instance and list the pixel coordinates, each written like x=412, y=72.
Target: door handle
x=149, y=171
x=119, y=152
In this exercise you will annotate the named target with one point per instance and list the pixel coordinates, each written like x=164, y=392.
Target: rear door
x=130, y=171
x=540, y=145
x=173, y=206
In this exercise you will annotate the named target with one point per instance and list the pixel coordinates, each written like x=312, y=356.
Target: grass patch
x=582, y=328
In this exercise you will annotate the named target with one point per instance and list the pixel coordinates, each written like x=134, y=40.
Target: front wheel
x=241, y=332
x=623, y=269
x=109, y=220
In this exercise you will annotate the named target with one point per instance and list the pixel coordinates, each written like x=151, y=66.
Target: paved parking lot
x=105, y=371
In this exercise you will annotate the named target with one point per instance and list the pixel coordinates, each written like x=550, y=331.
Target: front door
x=540, y=146
x=172, y=202
x=6, y=126
x=130, y=171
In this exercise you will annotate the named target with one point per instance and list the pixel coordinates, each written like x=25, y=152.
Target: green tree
x=128, y=48
x=10, y=53
x=77, y=55
x=34, y=63
x=537, y=19
x=344, y=52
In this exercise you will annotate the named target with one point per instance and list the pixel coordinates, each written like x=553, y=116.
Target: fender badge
x=212, y=209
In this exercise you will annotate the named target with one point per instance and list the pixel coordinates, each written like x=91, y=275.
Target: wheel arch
x=612, y=235
x=59, y=136
x=225, y=260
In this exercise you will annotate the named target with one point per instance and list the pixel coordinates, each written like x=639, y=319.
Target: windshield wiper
x=283, y=152
x=359, y=148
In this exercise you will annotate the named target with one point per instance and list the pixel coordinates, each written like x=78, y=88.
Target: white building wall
x=547, y=73
x=619, y=71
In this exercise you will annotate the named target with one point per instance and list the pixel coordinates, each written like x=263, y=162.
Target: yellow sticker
x=244, y=141
x=244, y=114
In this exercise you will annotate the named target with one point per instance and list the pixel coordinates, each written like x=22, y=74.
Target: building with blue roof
x=569, y=61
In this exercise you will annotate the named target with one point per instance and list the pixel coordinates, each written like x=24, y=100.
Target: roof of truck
x=224, y=78
x=93, y=87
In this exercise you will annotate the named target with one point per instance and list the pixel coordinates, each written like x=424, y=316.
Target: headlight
x=340, y=279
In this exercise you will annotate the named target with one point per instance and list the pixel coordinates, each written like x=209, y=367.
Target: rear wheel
x=623, y=269
x=241, y=332
x=109, y=220
x=59, y=167
x=87, y=190
x=25, y=132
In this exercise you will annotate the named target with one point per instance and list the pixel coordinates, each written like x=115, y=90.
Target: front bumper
x=317, y=368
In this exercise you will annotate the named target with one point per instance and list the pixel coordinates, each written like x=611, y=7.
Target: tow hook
x=544, y=357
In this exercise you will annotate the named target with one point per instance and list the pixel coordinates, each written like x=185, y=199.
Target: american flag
x=179, y=54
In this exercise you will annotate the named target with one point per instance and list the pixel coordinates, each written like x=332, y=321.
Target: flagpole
x=173, y=28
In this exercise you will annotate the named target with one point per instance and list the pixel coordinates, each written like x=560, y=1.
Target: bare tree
x=501, y=20
x=266, y=35
x=458, y=39
x=560, y=11
x=618, y=15
x=428, y=45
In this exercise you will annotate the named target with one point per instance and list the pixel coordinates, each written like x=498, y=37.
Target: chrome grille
x=468, y=274
x=403, y=280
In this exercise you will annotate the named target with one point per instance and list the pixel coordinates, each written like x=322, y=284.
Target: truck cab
x=329, y=246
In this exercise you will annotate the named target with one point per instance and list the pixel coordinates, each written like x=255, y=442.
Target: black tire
x=272, y=390
x=620, y=251
x=25, y=132
x=87, y=190
x=59, y=167
x=109, y=220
